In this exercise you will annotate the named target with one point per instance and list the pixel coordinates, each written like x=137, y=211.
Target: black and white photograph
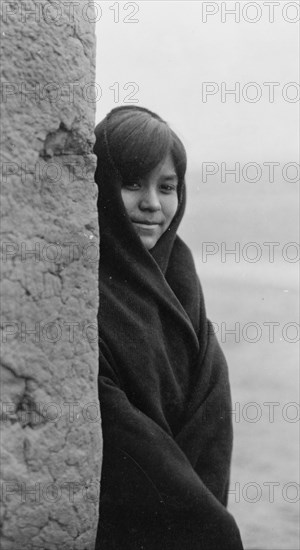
x=150, y=275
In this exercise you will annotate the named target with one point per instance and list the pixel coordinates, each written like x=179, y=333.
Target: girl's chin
x=149, y=236
x=148, y=242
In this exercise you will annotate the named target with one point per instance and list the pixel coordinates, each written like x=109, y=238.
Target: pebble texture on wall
x=50, y=430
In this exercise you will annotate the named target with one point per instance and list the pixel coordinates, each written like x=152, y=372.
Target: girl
x=163, y=381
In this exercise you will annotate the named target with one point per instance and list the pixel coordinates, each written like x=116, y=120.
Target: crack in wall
x=64, y=141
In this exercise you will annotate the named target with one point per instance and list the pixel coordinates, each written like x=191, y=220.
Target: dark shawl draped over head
x=163, y=389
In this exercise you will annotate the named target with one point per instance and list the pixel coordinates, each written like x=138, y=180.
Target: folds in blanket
x=149, y=485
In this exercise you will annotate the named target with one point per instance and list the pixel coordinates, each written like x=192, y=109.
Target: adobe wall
x=50, y=429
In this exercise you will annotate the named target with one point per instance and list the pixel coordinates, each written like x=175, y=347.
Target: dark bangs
x=138, y=142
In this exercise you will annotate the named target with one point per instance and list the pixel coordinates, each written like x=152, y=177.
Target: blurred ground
x=264, y=374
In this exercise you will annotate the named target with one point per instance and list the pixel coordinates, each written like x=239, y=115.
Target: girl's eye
x=168, y=187
x=132, y=185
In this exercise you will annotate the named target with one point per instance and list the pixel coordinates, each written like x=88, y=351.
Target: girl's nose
x=150, y=200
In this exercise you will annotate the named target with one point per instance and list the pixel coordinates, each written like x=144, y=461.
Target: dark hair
x=138, y=140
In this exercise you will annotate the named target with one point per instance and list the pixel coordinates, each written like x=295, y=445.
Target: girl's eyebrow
x=170, y=177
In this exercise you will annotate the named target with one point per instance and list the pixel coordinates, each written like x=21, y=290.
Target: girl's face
x=151, y=202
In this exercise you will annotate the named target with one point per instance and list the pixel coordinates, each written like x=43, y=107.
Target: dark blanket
x=164, y=392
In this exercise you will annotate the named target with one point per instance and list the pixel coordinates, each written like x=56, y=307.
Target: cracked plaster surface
x=50, y=420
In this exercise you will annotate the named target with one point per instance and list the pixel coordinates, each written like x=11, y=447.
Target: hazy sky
x=170, y=51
